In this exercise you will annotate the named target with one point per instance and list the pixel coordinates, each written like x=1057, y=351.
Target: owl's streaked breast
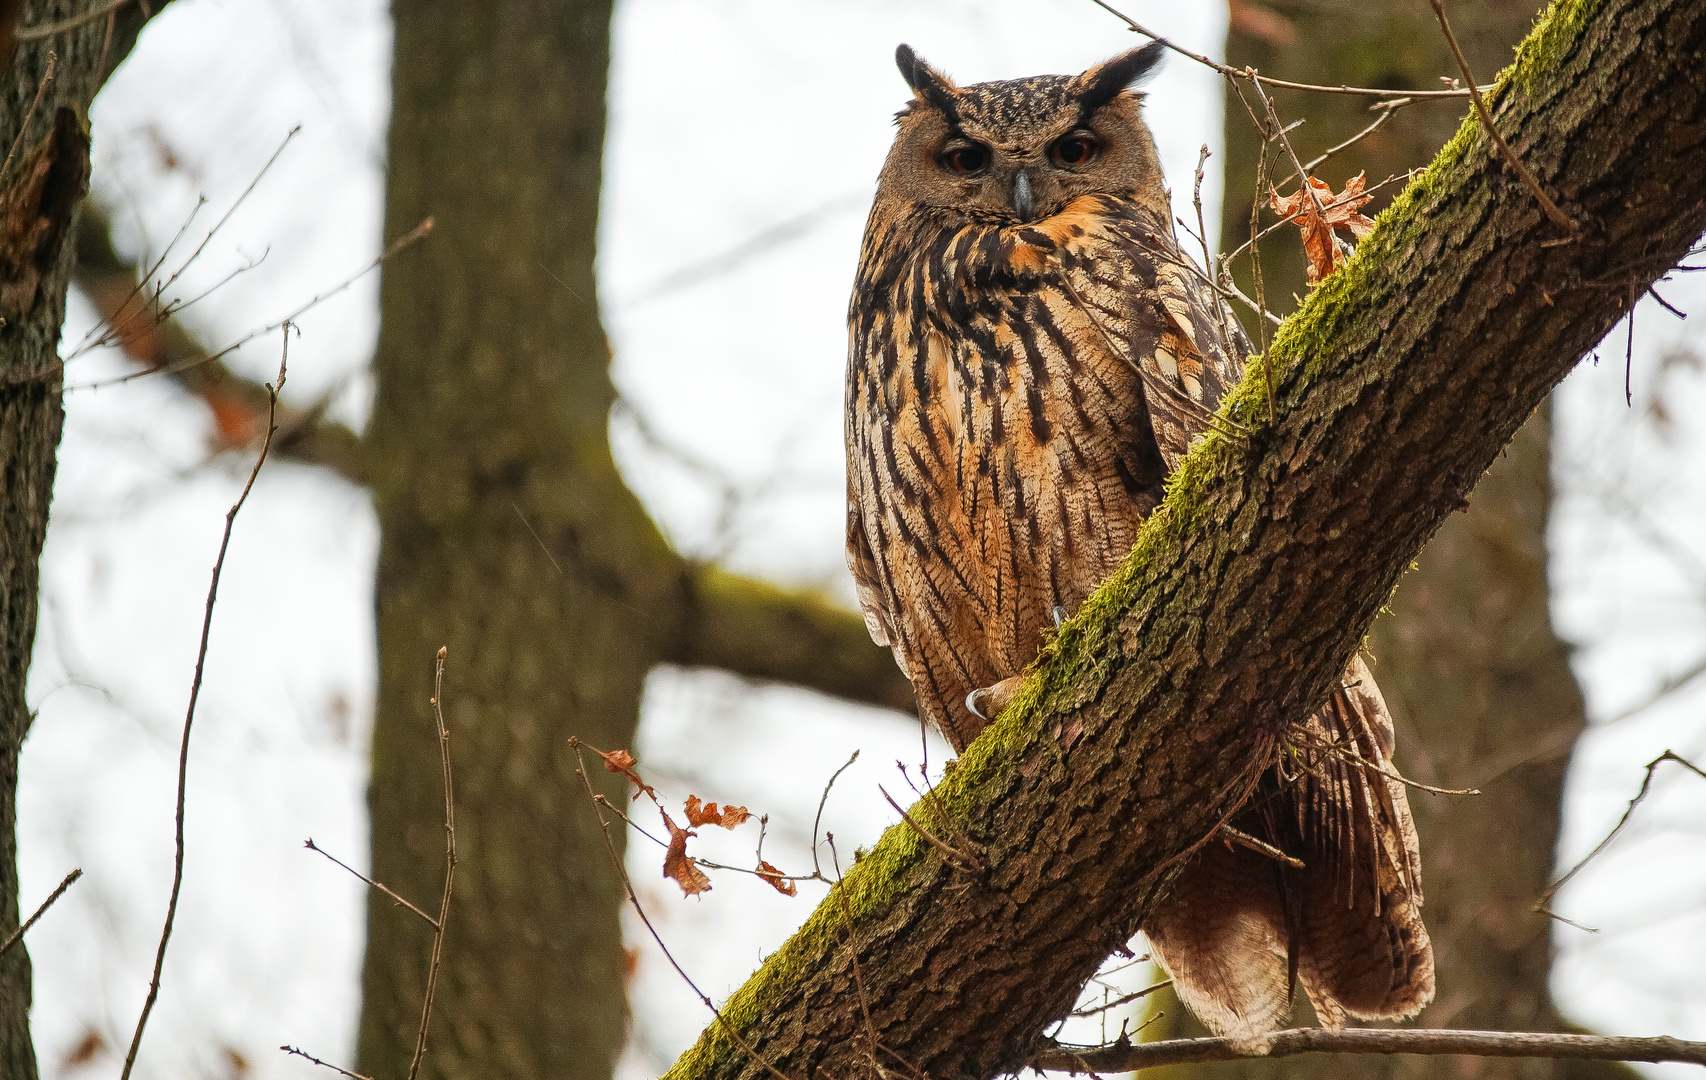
x=1002, y=445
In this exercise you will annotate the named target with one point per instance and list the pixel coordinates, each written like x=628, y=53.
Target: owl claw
x=986, y=703
x=1059, y=614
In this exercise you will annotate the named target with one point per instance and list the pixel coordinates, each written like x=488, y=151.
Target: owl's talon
x=986, y=703
x=1059, y=614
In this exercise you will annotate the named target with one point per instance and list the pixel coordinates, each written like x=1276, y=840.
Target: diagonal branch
x=1398, y=382
x=762, y=632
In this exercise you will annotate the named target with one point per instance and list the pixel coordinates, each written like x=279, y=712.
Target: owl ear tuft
x=928, y=83
x=1102, y=83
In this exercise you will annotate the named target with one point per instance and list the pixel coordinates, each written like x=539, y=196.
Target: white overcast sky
x=268, y=942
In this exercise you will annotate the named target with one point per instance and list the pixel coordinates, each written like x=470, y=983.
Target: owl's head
x=1019, y=150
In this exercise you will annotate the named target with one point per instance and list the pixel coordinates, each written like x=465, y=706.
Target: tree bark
x=1479, y=684
x=1152, y=712
x=44, y=125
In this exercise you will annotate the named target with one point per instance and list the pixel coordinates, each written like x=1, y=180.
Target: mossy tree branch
x=1150, y=715
x=762, y=632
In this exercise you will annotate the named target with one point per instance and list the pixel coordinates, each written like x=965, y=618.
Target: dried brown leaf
x=678, y=866
x=708, y=814
x=618, y=760
x=1339, y=211
x=621, y=761
x=776, y=879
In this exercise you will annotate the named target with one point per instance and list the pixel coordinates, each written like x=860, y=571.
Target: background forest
x=723, y=203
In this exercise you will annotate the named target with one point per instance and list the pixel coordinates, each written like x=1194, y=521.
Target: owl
x=1030, y=355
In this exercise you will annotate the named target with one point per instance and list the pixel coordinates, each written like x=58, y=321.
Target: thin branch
x=418, y=232
x=817, y=867
x=189, y=715
x=18, y=934
x=1124, y=1058
x=1260, y=847
x=386, y=889
x=449, y=859
x=1541, y=905
x=962, y=859
x=1385, y=115
x=628, y=887
x=1365, y=91
x=324, y=1064
x=1285, y=140
x=47, y=30
x=1135, y=995
x=1528, y=181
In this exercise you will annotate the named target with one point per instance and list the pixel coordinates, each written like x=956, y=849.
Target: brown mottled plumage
x=1030, y=355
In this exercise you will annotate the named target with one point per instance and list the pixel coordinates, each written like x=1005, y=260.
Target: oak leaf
x=1339, y=211
x=618, y=760
x=776, y=879
x=621, y=761
x=708, y=814
x=676, y=863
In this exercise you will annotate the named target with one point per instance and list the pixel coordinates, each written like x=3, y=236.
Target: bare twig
x=1385, y=115
x=195, y=694
x=150, y=309
x=1629, y=352
x=1260, y=847
x=575, y=744
x=449, y=858
x=1528, y=181
x=418, y=232
x=817, y=867
x=853, y=954
x=964, y=860
x=1123, y=1058
x=1542, y=905
x=323, y=1064
x=1135, y=995
x=1365, y=91
x=47, y=30
x=386, y=889
x=1285, y=140
x=18, y=934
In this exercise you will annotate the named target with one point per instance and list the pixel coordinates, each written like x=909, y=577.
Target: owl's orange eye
x=965, y=159
x=1075, y=149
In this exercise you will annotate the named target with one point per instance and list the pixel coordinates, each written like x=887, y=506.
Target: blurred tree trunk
x=44, y=125
x=1479, y=685
x=509, y=536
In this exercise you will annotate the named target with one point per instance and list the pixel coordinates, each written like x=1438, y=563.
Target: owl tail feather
x=1240, y=931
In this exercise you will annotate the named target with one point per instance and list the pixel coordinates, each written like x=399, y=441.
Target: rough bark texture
x=1479, y=684
x=41, y=188
x=489, y=462
x=509, y=536
x=1399, y=382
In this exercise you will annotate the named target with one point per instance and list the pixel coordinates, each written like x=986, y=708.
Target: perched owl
x=1030, y=354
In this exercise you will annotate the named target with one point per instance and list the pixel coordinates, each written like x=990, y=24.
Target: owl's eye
x=1077, y=148
x=965, y=159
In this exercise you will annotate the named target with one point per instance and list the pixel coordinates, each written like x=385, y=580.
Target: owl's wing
x=867, y=581
x=1239, y=929
x=1192, y=350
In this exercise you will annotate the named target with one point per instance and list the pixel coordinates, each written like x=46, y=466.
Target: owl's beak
x=1023, y=201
